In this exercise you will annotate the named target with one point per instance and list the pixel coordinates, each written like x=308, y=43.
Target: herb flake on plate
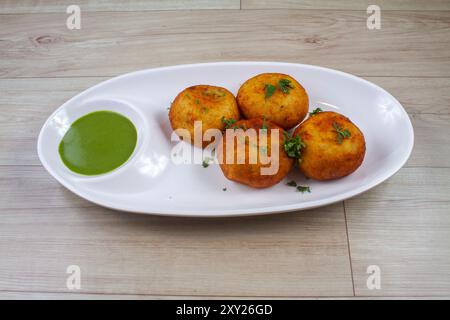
x=206, y=162
x=303, y=189
x=292, y=183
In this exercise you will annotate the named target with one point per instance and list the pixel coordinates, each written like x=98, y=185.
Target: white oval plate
x=151, y=183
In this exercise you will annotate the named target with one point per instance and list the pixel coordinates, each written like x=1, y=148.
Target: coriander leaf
x=291, y=183
x=228, y=122
x=285, y=85
x=341, y=133
x=315, y=111
x=303, y=189
x=206, y=162
x=269, y=90
x=293, y=145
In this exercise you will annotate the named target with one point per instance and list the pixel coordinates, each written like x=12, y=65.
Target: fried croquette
x=334, y=146
x=278, y=97
x=208, y=104
x=270, y=164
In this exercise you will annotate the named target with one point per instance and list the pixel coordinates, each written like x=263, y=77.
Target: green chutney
x=98, y=142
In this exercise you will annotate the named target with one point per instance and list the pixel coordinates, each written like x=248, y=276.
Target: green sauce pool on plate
x=98, y=142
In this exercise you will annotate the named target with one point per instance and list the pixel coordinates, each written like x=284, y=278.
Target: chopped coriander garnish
x=285, y=85
x=206, y=162
x=293, y=145
x=269, y=90
x=203, y=108
x=303, y=189
x=228, y=122
x=291, y=183
x=315, y=111
x=341, y=133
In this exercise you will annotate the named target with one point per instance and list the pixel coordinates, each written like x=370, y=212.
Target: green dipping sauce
x=98, y=142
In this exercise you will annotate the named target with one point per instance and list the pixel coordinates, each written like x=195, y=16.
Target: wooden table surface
x=402, y=226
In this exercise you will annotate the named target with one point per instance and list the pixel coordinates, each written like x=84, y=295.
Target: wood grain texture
x=26, y=103
x=32, y=187
x=280, y=255
x=412, y=184
x=347, y=4
x=403, y=226
x=37, y=295
x=431, y=138
x=40, y=45
x=408, y=240
x=418, y=95
x=38, y=6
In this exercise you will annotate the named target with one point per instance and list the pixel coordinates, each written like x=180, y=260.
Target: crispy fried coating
x=248, y=172
x=278, y=97
x=208, y=104
x=335, y=147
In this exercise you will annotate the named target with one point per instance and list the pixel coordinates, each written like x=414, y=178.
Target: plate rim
x=232, y=212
